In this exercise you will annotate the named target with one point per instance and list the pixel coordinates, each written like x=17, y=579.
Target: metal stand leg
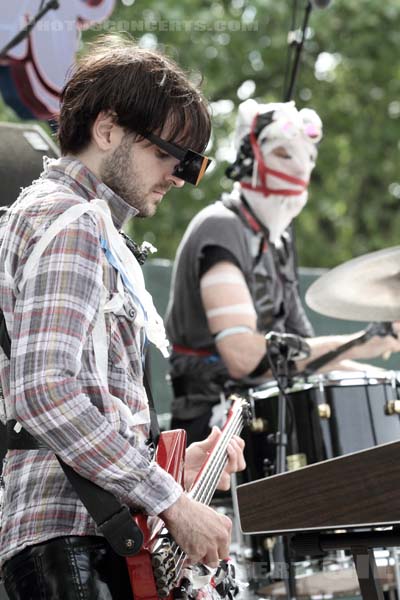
x=367, y=573
x=283, y=542
x=281, y=435
x=237, y=532
x=396, y=567
x=291, y=578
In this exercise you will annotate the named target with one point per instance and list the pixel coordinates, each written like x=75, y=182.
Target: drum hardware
x=259, y=425
x=366, y=288
x=394, y=380
x=296, y=461
x=324, y=411
x=288, y=345
x=392, y=407
x=268, y=467
x=269, y=543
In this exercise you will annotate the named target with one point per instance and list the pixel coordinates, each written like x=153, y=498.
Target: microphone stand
x=299, y=47
x=279, y=358
x=19, y=37
x=290, y=581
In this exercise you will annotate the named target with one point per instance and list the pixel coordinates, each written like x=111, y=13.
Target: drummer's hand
x=198, y=452
x=388, y=344
x=381, y=346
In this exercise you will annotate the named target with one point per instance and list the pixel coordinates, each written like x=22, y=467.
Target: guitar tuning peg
x=157, y=560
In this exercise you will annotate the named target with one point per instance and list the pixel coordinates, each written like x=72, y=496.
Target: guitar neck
x=157, y=569
x=207, y=479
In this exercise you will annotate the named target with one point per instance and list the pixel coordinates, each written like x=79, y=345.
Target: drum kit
x=337, y=413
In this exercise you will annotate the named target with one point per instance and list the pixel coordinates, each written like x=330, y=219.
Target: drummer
x=234, y=276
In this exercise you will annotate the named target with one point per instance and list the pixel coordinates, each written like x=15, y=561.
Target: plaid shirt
x=51, y=385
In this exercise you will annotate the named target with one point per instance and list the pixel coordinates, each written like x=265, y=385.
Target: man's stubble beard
x=118, y=173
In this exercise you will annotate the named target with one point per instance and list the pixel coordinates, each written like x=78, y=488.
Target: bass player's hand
x=198, y=452
x=199, y=530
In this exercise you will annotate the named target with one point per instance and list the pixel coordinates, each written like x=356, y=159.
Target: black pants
x=68, y=568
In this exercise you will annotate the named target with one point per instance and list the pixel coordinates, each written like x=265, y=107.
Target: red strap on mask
x=263, y=171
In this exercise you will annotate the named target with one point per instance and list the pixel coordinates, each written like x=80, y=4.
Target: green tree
x=349, y=74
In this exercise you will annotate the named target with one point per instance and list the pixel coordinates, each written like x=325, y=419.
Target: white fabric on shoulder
x=127, y=265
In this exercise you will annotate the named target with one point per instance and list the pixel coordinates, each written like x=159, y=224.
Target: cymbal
x=366, y=288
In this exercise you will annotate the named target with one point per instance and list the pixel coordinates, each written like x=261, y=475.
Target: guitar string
x=210, y=476
x=206, y=500
x=216, y=464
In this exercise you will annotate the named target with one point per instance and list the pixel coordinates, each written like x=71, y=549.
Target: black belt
x=22, y=440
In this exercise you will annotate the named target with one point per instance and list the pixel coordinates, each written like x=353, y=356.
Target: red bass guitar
x=156, y=571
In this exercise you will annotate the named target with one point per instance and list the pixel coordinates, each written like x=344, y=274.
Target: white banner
x=49, y=51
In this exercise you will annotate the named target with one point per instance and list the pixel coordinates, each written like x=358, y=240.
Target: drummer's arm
x=231, y=318
x=348, y=361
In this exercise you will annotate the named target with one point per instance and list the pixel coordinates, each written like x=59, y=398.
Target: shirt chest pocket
x=125, y=336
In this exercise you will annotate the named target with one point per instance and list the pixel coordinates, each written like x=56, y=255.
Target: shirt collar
x=84, y=182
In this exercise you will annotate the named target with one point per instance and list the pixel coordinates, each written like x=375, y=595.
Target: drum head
x=346, y=378
x=270, y=389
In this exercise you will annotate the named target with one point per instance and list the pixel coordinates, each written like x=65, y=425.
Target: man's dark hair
x=142, y=88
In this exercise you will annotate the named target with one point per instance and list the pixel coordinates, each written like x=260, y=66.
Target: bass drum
x=327, y=415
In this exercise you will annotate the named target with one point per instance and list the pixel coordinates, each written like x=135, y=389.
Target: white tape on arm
x=232, y=331
x=222, y=277
x=231, y=309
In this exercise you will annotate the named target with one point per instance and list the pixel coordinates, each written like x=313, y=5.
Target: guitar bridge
x=164, y=560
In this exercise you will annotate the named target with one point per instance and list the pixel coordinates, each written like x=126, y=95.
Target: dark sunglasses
x=192, y=165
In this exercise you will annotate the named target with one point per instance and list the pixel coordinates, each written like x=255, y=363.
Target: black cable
x=290, y=411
